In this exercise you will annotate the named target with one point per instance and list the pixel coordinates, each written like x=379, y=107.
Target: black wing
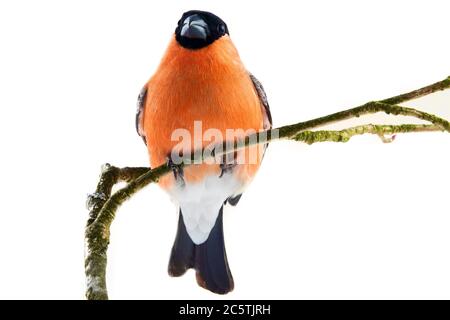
x=267, y=118
x=140, y=113
x=264, y=102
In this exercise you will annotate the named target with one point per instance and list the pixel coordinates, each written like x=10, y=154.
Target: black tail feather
x=209, y=258
x=183, y=251
x=213, y=272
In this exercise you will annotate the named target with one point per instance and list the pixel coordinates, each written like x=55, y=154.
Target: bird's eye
x=221, y=29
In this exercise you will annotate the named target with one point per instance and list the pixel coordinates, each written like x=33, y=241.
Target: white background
x=356, y=220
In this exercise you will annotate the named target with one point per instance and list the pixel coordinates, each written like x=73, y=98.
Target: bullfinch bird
x=201, y=78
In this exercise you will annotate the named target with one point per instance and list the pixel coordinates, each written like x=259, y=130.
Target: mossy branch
x=311, y=137
x=97, y=230
x=103, y=205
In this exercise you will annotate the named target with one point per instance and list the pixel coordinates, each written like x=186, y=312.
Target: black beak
x=194, y=27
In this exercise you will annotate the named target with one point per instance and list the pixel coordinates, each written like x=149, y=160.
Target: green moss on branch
x=97, y=234
x=311, y=137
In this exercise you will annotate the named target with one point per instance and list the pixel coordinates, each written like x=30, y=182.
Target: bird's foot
x=177, y=170
x=227, y=165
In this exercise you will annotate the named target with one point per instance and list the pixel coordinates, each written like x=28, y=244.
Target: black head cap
x=198, y=29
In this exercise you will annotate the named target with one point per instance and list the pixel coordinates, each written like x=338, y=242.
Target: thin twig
x=344, y=135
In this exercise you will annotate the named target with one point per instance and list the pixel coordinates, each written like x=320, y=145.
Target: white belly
x=200, y=202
